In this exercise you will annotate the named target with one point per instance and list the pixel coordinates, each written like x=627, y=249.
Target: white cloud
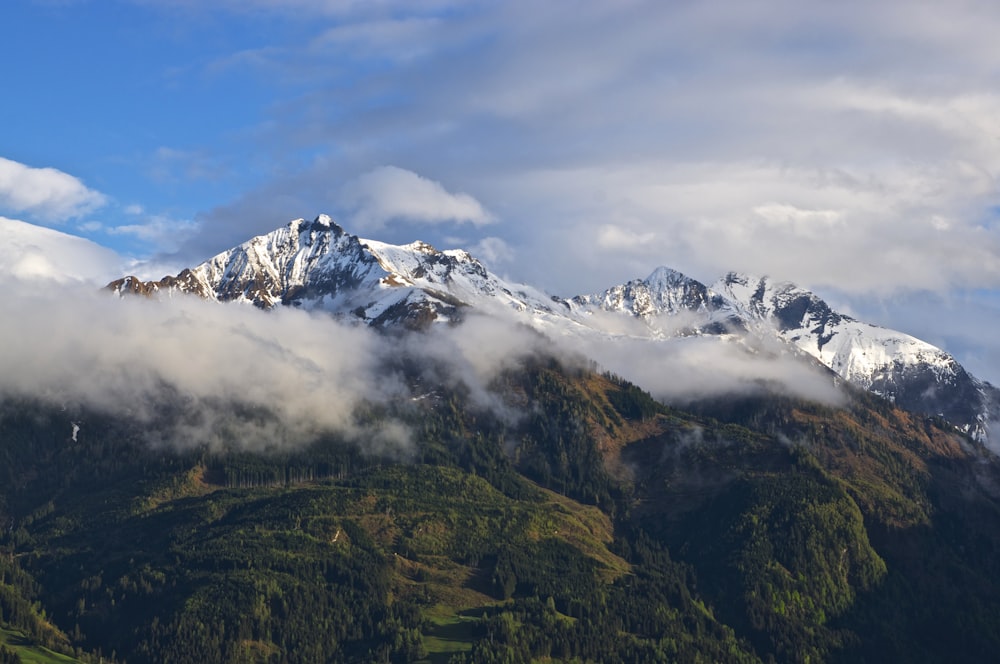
x=246, y=377
x=401, y=39
x=390, y=193
x=29, y=252
x=863, y=231
x=45, y=193
x=775, y=136
x=615, y=237
x=133, y=357
x=684, y=370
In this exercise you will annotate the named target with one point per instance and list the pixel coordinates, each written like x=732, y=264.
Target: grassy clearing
x=30, y=653
x=448, y=633
x=585, y=527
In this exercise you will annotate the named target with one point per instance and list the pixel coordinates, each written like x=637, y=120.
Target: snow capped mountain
x=317, y=265
x=664, y=293
x=29, y=252
x=897, y=366
x=857, y=351
x=910, y=372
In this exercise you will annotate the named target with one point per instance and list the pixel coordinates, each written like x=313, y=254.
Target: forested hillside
x=576, y=519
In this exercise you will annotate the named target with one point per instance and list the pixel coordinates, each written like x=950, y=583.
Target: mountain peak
x=421, y=247
x=318, y=265
x=321, y=224
x=664, y=277
x=664, y=291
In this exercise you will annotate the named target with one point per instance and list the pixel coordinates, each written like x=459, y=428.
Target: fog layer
x=199, y=373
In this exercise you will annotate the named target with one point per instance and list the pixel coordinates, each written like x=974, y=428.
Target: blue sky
x=851, y=147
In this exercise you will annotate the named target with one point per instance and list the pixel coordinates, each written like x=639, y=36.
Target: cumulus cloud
x=616, y=238
x=45, y=193
x=772, y=137
x=776, y=138
x=863, y=232
x=850, y=145
x=32, y=252
x=390, y=193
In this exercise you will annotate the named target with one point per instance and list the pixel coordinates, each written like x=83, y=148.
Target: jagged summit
x=665, y=291
x=318, y=265
x=664, y=276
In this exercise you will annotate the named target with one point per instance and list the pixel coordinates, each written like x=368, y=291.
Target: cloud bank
x=193, y=373
x=300, y=375
x=848, y=145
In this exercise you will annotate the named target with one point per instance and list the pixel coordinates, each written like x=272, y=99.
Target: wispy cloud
x=493, y=250
x=393, y=39
x=170, y=165
x=161, y=231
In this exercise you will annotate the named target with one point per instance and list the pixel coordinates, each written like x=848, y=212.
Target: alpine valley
x=618, y=477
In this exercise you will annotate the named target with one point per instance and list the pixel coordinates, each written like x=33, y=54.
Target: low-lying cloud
x=682, y=370
x=294, y=375
x=196, y=373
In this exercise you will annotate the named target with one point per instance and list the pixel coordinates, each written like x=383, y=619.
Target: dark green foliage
x=757, y=529
x=632, y=402
x=555, y=446
x=8, y=656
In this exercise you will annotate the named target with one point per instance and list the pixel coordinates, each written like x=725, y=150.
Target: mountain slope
x=894, y=365
x=678, y=536
x=317, y=265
